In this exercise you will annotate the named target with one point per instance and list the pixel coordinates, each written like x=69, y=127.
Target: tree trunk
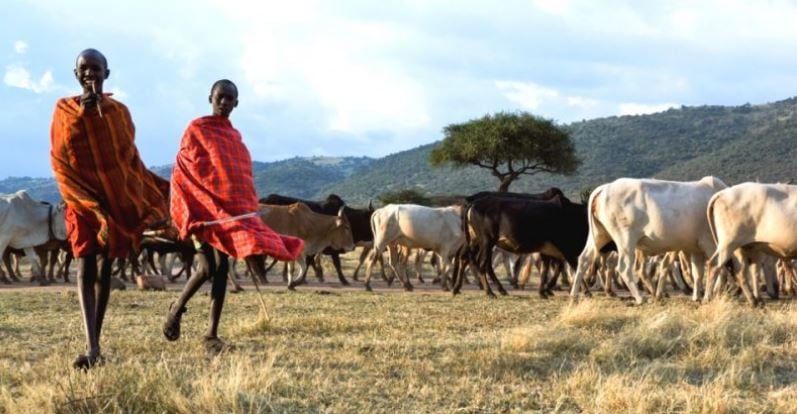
x=506, y=181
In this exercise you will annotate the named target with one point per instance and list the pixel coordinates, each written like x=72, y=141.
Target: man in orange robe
x=211, y=188
x=111, y=196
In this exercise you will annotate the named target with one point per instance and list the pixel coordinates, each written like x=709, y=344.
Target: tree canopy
x=405, y=196
x=509, y=144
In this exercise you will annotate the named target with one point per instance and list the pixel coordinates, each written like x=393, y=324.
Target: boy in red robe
x=212, y=181
x=111, y=197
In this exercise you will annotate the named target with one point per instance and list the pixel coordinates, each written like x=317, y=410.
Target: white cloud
x=632, y=108
x=20, y=47
x=18, y=77
x=555, y=7
x=526, y=94
x=582, y=102
x=305, y=55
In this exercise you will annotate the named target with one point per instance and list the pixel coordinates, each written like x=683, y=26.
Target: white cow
x=653, y=216
x=757, y=218
x=436, y=229
x=25, y=223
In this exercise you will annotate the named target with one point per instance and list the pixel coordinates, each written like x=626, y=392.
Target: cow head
x=341, y=237
x=59, y=221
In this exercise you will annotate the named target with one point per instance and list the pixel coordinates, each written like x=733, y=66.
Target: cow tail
x=464, y=221
x=710, y=216
x=592, y=223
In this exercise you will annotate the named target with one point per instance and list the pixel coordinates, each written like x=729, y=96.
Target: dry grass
x=403, y=352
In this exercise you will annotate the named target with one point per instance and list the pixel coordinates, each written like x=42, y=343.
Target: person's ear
x=77, y=74
x=210, y=98
x=235, y=105
x=107, y=73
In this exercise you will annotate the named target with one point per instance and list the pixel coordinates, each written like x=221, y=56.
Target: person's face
x=90, y=68
x=223, y=98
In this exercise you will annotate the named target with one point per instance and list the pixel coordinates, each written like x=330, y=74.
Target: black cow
x=556, y=227
x=546, y=195
x=359, y=219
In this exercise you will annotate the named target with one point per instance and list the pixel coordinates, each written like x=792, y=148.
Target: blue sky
x=373, y=78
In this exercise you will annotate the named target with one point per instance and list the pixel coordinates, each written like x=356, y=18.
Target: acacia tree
x=509, y=144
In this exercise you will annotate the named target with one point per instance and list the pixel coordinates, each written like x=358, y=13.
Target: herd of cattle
x=703, y=237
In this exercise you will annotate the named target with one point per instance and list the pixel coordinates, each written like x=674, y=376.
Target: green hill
x=736, y=144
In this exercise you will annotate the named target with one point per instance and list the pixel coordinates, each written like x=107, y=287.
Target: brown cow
x=318, y=231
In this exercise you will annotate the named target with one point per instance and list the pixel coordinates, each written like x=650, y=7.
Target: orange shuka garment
x=111, y=196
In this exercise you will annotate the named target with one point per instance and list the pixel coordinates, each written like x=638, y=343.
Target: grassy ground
x=330, y=350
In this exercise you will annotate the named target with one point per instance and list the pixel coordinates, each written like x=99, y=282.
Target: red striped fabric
x=212, y=180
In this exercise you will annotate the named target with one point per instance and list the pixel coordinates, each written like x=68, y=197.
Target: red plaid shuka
x=111, y=196
x=212, y=180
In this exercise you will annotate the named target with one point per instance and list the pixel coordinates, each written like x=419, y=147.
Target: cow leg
x=647, y=270
x=625, y=267
x=314, y=262
x=236, y=287
x=36, y=269
x=788, y=278
x=750, y=272
x=7, y=262
x=53, y=263
x=3, y=277
x=490, y=272
x=525, y=272
x=558, y=270
x=363, y=257
x=546, y=264
x=285, y=272
x=456, y=268
x=677, y=278
x=374, y=253
x=697, y=267
x=482, y=271
x=4, y=252
x=68, y=258
x=773, y=288
x=339, y=269
x=586, y=262
x=741, y=280
x=304, y=267
x=420, y=255
x=402, y=268
x=610, y=273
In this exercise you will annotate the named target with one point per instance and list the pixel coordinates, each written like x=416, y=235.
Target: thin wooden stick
x=99, y=104
x=233, y=218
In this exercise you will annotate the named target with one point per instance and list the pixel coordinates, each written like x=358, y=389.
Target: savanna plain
x=325, y=349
